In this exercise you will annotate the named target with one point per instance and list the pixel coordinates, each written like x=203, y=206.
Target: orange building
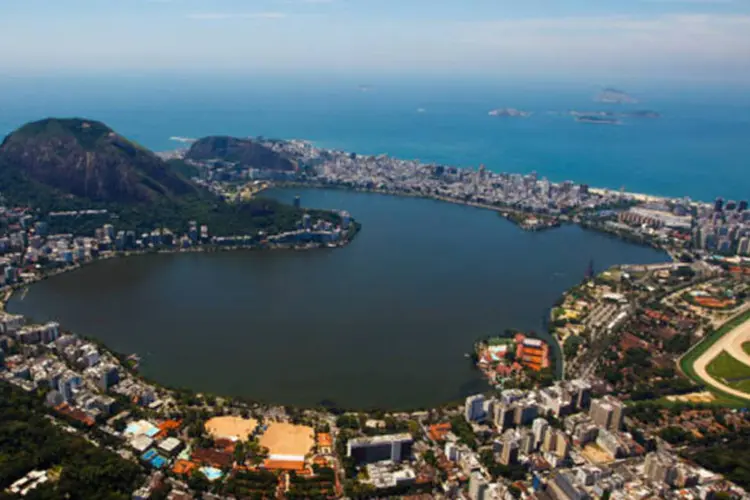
x=166, y=426
x=437, y=432
x=713, y=303
x=532, y=353
x=183, y=467
x=297, y=466
x=324, y=442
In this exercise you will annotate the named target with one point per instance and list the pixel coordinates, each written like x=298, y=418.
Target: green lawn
x=746, y=348
x=688, y=360
x=743, y=386
x=726, y=367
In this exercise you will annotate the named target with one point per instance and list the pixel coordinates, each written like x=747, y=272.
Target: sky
x=683, y=39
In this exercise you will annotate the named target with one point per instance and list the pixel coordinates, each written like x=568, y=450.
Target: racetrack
x=731, y=342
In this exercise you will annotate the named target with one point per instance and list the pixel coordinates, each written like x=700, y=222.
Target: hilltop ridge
x=87, y=159
x=243, y=151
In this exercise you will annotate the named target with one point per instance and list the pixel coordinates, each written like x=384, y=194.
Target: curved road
x=732, y=343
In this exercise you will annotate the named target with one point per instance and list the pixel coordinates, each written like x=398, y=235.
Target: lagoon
x=383, y=322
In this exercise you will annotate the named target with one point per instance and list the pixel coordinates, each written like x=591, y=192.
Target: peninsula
x=96, y=191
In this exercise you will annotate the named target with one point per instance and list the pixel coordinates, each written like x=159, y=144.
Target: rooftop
x=388, y=438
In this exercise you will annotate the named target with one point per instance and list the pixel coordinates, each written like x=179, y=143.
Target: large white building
x=393, y=447
x=478, y=486
x=607, y=412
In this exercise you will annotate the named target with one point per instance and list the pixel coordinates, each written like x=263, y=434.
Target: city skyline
x=687, y=39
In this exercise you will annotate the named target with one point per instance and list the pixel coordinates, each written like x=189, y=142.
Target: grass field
x=688, y=360
x=746, y=348
x=726, y=367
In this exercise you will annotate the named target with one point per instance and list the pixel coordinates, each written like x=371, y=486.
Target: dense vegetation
x=730, y=457
x=320, y=486
x=29, y=440
x=252, y=484
x=246, y=152
x=139, y=191
x=40, y=168
x=222, y=219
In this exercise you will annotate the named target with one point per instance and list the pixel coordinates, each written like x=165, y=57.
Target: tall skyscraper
x=539, y=428
x=504, y=414
x=474, y=409
x=607, y=412
x=109, y=231
x=509, y=455
x=478, y=486
x=661, y=468
x=719, y=205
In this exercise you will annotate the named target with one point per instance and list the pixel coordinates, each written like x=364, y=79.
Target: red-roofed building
x=437, y=432
x=324, y=442
x=75, y=414
x=532, y=353
x=285, y=465
x=630, y=341
x=183, y=467
x=214, y=458
x=506, y=371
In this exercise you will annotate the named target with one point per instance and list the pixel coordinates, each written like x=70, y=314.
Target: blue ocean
x=698, y=147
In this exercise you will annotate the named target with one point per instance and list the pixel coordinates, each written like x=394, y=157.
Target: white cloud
x=219, y=16
x=684, y=45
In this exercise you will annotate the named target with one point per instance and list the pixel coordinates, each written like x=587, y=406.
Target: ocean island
x=599, y=432
x=510, y=112
x=611, y=95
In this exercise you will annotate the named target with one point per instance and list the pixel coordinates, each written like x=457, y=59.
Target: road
x=732, y=343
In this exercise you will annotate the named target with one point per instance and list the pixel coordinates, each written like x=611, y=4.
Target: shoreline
x=556, y=343
x=639, y=196
x=505, y=212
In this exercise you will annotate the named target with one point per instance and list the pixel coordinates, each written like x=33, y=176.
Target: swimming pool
x=212, y=473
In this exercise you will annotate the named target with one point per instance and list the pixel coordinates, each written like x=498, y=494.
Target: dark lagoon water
x=383, y=322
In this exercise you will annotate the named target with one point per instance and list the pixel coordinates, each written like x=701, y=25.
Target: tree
x=240, y=452
x=571, y=346
x=348, y=422
x=198, y=481
x=430, y=458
